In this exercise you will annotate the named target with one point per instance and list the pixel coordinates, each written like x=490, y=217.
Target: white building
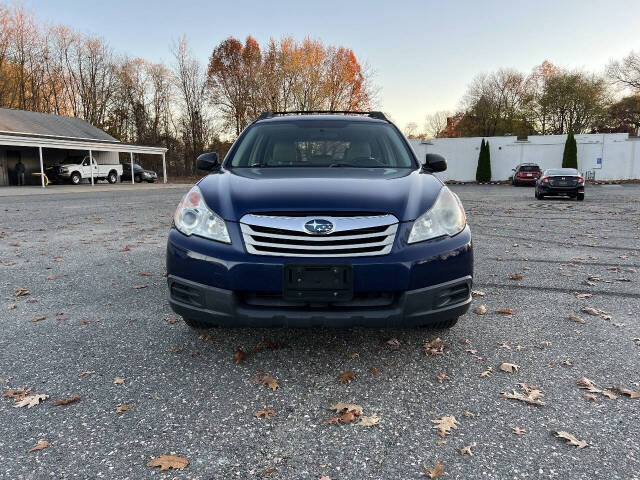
x=610, y=156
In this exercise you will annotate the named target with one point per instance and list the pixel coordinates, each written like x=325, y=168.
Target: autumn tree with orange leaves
x=288, y=75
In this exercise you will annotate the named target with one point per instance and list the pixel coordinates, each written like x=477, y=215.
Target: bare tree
x=435, y=123
x=626, y=72
x=191, y=82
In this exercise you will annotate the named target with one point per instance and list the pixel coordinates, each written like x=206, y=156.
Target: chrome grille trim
x=289, y=242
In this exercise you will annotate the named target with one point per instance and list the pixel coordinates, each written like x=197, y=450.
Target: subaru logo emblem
x=318, y=226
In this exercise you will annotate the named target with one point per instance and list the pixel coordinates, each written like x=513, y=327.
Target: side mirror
x=208, y=161
x=434, y=163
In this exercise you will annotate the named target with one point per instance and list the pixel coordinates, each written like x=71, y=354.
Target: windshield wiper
x=350, y=165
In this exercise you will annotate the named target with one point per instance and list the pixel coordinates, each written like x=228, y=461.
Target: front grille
x=285, y=236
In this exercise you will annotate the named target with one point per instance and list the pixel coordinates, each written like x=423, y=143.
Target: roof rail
x=373, y=114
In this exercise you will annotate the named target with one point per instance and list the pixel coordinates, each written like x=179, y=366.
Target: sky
x=423, y=53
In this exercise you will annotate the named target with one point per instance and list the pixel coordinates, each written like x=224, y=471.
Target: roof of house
x=21, y=122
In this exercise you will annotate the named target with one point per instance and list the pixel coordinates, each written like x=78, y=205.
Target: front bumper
x=412, y=308
x=221, y=276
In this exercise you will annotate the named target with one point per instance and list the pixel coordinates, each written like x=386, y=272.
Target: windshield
x=322, y=143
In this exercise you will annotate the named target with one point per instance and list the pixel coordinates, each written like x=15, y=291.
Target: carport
x=39, y=139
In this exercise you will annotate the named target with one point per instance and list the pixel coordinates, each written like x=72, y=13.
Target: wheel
x=197, y=324
x=580, y=197
x=443, y=324
x=75, y=178
x=113, y=177
x=137, y=179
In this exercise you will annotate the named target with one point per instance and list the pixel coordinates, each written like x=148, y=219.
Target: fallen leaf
x=583, y=295
x=626, y=391
x=37, y=318
x=508, y=367
x=265, y=413
x=12, y=306
x=86, y=373
x=486, y=373
x=16, y=394
x=436, y=471
x=139, y=287
x=466, y=450
x=571, y=440
x=590, y=397
x=515, y=276
x=341, y=407
x=21, y=292
x=144, y=273
x=575, y=318
x=166, y=462
x=270, y=382
x=374, y=371
x=477, y=293
x=66, y=401
x=123, y=407
x=586, y=384
x=51, y=277
x=506, y=311
x=467, y=414
x=239, y=356
x=352, y=355
x=347, y=377
x=445, y=424
x=348, y=417
x=528, y=395
x=597, y=313
x=518, y=431
x=31, y=400
x=443, y=376
x=41, y=445
x=480, y=310
x=172, y=320
x=434, y=347
x=370, y=421
x=118, y=381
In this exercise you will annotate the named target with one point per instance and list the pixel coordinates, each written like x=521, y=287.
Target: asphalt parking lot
x=93, y=266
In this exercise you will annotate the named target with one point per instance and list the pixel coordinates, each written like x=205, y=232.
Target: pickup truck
x=76, y=172
x=320, y=219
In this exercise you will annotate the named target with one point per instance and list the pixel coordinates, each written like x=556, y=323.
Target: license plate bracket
x=318, y=282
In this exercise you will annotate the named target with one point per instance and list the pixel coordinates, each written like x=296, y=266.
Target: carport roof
x=33, y=129
x=33, y=123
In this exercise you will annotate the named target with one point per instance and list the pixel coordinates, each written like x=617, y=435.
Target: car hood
x=402, y=192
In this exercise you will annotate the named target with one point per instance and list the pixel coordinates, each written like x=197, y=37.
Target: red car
x=526, y=174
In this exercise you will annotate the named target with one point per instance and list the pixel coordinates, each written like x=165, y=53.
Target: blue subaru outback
x=320, y=219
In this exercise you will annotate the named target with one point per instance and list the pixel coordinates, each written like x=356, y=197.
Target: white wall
x=620, y=154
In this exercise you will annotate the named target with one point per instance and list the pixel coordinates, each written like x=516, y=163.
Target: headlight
x=193, y=217
x=446, y=217
x=64, y=170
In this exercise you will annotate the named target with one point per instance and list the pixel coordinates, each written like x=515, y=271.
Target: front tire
x=75, y=178
x=197, y=324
